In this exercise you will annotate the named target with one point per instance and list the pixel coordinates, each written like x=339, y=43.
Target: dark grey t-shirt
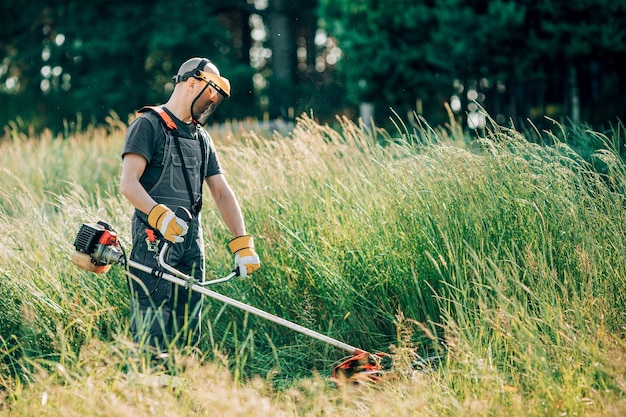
x=146, y=137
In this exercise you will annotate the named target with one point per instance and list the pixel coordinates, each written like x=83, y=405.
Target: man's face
x=211, y=91
x=205, y=97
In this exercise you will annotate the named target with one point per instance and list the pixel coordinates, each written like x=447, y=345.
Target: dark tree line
x=517, y=59
x=73, y=61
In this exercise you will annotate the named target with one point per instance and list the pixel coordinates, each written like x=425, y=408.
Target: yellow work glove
x=246, y=259
x=165, y=221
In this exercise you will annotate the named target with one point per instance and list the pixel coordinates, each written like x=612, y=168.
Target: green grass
x=503, y=256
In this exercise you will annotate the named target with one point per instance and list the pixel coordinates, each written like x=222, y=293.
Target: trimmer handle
x=175, y=272
x=183, y=214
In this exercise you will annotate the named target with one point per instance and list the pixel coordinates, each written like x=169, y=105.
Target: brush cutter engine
x=97, y=248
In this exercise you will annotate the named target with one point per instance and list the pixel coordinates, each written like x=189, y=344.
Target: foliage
x=497, y=254
x=381, y=46
x=527, y=58
x=114, y=56
x=75, y=61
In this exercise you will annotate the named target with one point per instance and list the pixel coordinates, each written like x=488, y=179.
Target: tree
x=484, y=48
x=517, y=58
x=290, y=30
x=21, y=36
x=89, y=58
x=581, y=44
x=385, y=54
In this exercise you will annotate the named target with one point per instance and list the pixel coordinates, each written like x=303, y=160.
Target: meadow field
x=499, y=252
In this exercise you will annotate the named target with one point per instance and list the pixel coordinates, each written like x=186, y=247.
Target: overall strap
x=202, y=142
x=197, y=204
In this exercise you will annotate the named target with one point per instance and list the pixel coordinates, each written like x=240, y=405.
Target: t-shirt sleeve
x=140, y=138
x=213, y=163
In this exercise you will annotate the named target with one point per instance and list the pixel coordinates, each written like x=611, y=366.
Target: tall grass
x=502, y=256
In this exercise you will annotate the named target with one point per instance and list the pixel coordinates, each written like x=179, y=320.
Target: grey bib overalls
x=162, y=312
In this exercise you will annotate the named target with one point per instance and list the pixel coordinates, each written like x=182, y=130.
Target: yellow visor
x=221, y=84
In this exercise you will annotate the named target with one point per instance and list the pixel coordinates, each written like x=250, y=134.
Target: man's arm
x=242, y=246
x=227, y=204
x=132, y=169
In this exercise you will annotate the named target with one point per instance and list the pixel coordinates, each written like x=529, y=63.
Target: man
x=167, y=157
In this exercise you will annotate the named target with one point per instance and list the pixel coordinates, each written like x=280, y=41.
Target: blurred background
x=71, y=63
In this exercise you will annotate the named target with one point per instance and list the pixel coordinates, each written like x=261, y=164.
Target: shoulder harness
x=165, y=117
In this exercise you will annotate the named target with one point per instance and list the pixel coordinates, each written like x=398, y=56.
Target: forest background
x=71, y=63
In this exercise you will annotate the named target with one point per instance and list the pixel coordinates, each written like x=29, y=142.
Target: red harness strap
x=169, y=122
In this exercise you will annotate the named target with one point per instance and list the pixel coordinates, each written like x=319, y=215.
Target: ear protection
x=196, y=72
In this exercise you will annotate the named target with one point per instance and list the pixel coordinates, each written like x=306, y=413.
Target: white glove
x=165, y=221
x=246, y=259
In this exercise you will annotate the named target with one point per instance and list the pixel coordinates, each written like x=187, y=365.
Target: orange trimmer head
x=363, y=367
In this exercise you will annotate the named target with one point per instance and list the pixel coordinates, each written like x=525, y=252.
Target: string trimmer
x=98, y=248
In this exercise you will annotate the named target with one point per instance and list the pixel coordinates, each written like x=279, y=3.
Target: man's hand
x=246, y=259
x=165, y=221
